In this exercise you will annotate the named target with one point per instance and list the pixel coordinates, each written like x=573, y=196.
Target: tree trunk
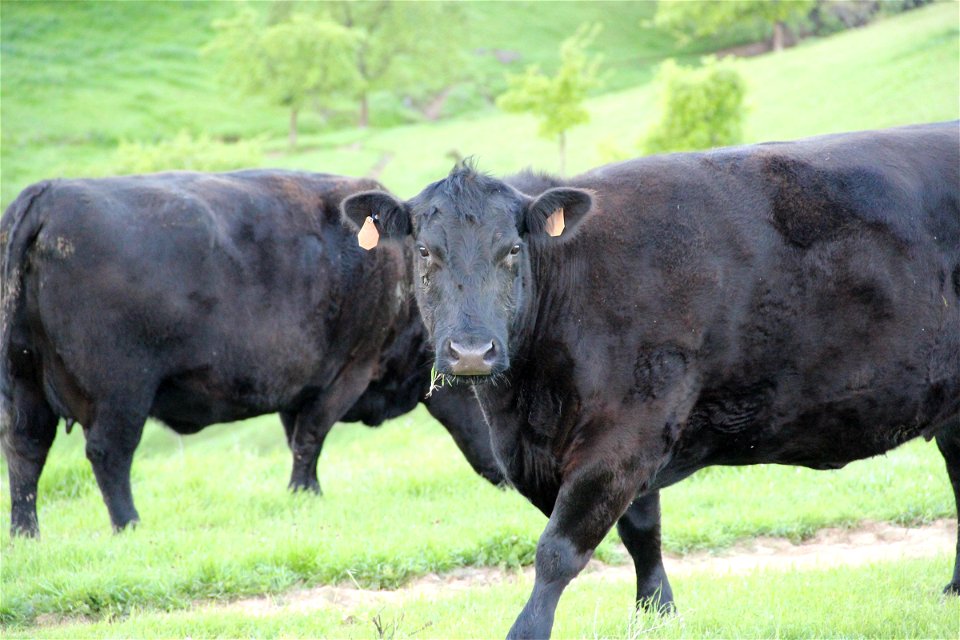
x=293, y=128
x=779, y=33
x=364, y=111
x=563, y=153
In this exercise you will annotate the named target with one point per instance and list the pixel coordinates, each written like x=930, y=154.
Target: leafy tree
x=294, y=61
x=700, y=108
x=400, y=44
x=699, y=18
x=557, y=100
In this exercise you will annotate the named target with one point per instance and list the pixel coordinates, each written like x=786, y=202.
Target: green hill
x=77, y=78
x=901, y=70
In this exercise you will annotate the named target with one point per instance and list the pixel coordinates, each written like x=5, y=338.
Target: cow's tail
x=18, y=230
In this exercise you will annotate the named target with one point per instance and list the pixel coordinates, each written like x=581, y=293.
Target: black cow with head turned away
x=792, y=303
x=197, y=299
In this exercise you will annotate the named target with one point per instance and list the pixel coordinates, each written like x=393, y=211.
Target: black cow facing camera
x=197, y=299
x=791, y=303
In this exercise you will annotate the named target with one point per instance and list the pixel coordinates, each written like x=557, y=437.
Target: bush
x=186, y=153
x=700, y=107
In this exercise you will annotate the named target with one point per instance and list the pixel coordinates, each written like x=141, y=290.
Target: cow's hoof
x=129, y=525
x=952, y=589
x=312, y=487
x=24, y=531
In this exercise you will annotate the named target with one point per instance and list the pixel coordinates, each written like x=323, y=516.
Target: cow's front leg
x=111, y=442
x=305, y=436
x=589, y=502
x=639, y=529
x=307, y=429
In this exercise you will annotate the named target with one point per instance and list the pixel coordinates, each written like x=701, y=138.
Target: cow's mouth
x=471, y=381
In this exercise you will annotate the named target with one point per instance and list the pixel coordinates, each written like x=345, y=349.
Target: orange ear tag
x=368, y=236
x=554, y=225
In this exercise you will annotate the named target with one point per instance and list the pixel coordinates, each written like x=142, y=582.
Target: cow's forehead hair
x=469, y=195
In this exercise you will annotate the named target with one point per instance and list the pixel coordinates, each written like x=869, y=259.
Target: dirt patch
x=869, y=542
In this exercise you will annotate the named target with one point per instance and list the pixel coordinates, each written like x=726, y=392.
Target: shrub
x=700, y=107
x=185, y=152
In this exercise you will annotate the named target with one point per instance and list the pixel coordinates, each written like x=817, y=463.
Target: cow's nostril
x=491, y=353
x=454, y=351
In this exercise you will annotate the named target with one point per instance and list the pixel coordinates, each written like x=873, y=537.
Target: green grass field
x=883, y=600
x=400, y=501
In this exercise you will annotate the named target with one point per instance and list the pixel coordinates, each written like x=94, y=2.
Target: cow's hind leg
x=639, y=529
x=111, y=441
x=948, y=440
x=31, y=428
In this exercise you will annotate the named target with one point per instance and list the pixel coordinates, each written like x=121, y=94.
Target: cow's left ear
x=388, y=216
x=556, y=212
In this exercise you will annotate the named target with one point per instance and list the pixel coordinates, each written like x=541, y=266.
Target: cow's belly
x=827, y=436
x=187, y=408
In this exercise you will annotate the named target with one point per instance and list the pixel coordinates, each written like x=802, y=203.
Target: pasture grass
x=400, y=501
x=884, y=600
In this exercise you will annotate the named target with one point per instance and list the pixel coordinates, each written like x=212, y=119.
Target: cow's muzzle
x=471, y=357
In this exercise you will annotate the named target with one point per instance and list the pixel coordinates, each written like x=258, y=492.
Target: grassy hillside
x=77, y=78
x=902, y=70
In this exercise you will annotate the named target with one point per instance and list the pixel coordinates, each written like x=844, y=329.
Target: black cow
x=792, y=303
x=202, y=298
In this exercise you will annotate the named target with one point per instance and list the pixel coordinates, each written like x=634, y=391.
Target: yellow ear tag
x=554, y=225
x=368, y=236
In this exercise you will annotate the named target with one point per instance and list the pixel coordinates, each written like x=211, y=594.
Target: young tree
x=400, y=44
x=700, y=108
x=557, y=100
x=290, y=62
x=698, y=18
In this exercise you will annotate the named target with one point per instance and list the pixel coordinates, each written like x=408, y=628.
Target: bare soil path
x=869, y=542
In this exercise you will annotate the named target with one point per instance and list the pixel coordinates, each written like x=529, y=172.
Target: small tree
x=557, y=100
x=291, y=62
x=699, y=18
x=400, y=44
x=699, y=108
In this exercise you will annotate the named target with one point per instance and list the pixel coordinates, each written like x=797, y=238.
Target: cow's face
x=472, y=238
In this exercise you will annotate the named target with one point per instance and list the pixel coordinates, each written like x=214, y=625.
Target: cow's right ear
x=389, y=216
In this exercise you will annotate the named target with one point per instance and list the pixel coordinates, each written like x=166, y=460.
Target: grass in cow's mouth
x=437, y=380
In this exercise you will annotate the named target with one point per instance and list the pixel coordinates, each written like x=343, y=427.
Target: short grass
x=884, y=600
x=399, y=501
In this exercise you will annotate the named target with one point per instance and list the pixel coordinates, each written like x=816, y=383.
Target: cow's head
x=472, y=237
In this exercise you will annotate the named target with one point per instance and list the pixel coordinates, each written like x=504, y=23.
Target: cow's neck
x=533, y=408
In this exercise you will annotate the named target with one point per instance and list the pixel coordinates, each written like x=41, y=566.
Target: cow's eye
x=515, y=249
x=423, y=252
